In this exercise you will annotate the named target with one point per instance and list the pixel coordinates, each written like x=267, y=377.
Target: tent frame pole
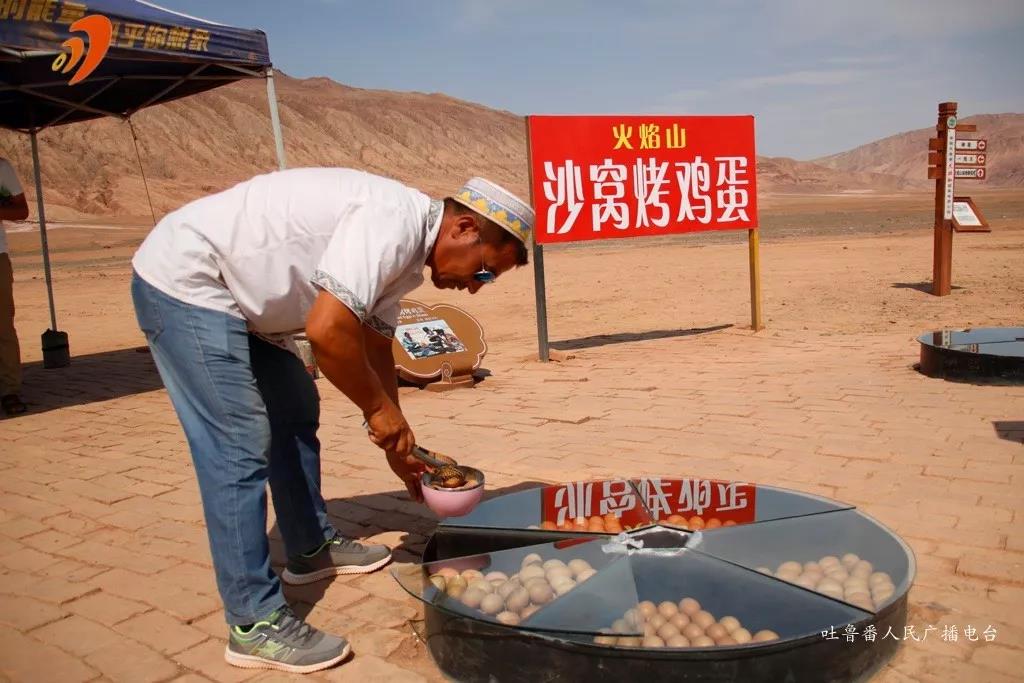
x=275, y=121
x=57, y=100
x=68, y=112
x=42, y=229
x=155, y=98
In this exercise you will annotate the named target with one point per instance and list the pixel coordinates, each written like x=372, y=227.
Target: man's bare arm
x=14, y=208
x=336, y=335
x=382, y=360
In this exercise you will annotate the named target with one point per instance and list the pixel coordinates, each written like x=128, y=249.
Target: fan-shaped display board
x=437, y=346
x=634, y=579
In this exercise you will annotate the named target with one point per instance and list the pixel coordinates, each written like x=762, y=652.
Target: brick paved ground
x=106, y=570
x=106, y=573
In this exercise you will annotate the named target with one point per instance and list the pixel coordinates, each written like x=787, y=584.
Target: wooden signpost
x=952, y=158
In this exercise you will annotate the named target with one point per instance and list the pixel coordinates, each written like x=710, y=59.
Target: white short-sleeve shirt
x=9, y=187
x=260, y=250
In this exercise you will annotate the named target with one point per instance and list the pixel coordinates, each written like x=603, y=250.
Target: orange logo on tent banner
x=99, y=30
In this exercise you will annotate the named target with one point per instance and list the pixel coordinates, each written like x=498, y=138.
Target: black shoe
x=13, y=405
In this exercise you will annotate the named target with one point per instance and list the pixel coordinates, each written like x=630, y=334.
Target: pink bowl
x=453, y=503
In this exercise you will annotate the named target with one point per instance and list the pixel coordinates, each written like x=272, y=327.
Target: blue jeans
x=250, y=412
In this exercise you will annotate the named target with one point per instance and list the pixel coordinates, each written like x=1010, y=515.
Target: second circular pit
x=980, y=353
x=661, y=579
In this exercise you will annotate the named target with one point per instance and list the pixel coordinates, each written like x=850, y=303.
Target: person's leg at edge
x=10, y=352
x=293, y=406
x=315, y=550
x=203, y=358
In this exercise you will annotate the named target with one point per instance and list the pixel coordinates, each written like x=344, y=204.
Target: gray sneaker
x=286, y=643
x=339, y=555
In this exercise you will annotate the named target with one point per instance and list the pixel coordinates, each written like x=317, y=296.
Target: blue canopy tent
x=62, y=62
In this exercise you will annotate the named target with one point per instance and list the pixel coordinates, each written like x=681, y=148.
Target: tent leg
x=275, y=121
x=42, y=229
x=55, y=344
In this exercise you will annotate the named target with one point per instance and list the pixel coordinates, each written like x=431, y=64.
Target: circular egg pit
x=771, y=592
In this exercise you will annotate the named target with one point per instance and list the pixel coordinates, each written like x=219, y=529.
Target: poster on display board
x=438, y=346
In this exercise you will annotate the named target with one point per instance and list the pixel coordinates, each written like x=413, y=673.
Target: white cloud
x=866, y=21
x=862, y=60
x=686, y=95
x=807, y=77
x=682, y=101
x=480, y=15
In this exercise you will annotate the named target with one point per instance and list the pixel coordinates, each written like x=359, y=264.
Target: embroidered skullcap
x=499, y=205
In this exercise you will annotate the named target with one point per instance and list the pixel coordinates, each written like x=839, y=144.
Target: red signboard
x=563, y=505
x=601, y=177
x=578, y=503
x=726, y=501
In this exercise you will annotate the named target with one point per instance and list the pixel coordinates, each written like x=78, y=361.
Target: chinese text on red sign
x=599, y=177
x=725, y=500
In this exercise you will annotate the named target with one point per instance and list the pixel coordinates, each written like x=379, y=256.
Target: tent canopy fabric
x=153, y=55
x=62, y=62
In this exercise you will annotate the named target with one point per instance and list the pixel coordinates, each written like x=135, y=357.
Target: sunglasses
x=485, y=276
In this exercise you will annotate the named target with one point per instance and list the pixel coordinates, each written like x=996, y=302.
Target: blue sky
x=821, y=76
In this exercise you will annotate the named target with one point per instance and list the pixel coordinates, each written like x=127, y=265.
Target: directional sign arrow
x=970, y=173
x=980, y=144
x=970, y=160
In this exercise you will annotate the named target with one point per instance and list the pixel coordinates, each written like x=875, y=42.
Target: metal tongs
x=445, y=472
x=444, y=469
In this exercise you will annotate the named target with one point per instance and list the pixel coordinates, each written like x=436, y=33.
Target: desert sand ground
x=105, y=565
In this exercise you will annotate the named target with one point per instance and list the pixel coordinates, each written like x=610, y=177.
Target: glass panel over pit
x=993, y=341
x=567, y=586
x=845, y=555
x=706, y=504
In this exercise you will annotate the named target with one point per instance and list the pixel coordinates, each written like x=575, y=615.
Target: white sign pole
x=947, y=212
